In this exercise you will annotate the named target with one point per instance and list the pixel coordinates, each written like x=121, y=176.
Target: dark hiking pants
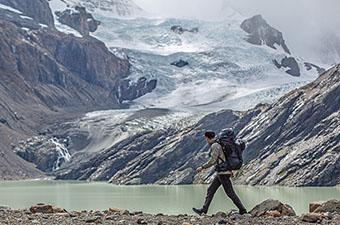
x=223, y=180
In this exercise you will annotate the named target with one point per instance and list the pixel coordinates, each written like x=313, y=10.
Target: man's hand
x=199, y=169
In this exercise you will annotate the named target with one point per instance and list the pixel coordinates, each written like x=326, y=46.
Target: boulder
x=331, y=206
x=312, y=217
x=273, y=208
x=43, y=208
x=180, y=63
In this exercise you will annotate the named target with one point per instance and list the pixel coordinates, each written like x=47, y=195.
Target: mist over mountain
x=309, y=25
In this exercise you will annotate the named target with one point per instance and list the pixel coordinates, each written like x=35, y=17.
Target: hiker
x=218, y=159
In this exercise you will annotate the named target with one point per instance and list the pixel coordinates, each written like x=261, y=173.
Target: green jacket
x=216, y=154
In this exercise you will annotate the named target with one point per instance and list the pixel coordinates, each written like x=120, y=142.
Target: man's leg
x=213, y=187
x=229, y=190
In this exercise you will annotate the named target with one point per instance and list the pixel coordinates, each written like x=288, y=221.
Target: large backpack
x=232, y=148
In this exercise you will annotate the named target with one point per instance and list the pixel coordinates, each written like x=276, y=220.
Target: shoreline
x=51, y=178
x=47, y=214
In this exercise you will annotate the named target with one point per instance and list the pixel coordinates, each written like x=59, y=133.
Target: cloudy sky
x=303, y=22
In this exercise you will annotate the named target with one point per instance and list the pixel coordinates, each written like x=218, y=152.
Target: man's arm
x=215, y=150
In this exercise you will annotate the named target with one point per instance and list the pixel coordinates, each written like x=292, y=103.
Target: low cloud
x=304, y=23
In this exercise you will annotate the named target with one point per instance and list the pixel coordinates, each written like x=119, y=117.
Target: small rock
x=73, y=214
x=180, y=63
x=222, y=221
x=141, y=221
x=137, y=213
x=98, y=213
x=110, y=217
x=4, y=208
x=125, y=212
x=92, y=219
x=273, y=213
x=35, y=222
x=115, y=210
x=314, y=205
x=220, y=214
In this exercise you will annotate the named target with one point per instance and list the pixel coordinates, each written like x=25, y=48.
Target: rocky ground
x=265, y=213
x=109, y=217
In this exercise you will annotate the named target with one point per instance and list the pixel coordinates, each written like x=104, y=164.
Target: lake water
x=150, y=198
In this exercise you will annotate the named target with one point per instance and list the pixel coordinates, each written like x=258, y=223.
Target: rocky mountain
x=53, y=72
x=260, y=32
x=110, y=8
x=79, y=20
x=38, y=9
x=46, y=75
x=294, y=141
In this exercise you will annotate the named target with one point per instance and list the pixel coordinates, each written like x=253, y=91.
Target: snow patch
x=2, y=6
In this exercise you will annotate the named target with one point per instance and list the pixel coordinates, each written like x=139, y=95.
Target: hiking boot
x=243, y=211
x=199, y=211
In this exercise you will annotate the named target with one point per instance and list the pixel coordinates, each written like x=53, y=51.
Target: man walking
x=222, y=177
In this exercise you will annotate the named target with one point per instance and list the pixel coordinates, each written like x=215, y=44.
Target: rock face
x=180, y=30
x=292, y=142
x=310, y=66
x=39, y=10
x=260, y=32
x=80, y=20
x=295, y=141
x=164, y=156
x=180, y=63
x=68, y=65
x=112, y=8
x=130, y=91
x=291, y=64
x=47, y=154
x=272, y=208
x=45, y=75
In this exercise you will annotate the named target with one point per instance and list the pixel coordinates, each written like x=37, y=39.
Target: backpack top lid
x=227, y=134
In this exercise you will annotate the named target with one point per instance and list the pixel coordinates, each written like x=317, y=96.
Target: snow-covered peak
x=110, y=8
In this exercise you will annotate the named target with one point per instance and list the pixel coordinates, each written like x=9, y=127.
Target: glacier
x=224, y=71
